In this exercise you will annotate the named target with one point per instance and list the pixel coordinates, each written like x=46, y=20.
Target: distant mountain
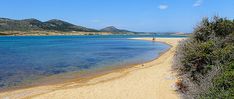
x=60, y=25
x=113, y=29
x=52, y=27
x=34, y=24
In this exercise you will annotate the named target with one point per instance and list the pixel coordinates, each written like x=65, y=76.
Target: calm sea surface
x=28, y=58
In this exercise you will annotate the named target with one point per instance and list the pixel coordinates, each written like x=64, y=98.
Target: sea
x=25, y=60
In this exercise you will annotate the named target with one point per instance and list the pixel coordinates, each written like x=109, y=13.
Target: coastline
x=81, y=76
x=110, y=78
x=58, y=33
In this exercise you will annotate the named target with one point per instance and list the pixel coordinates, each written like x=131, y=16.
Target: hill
x=113, y=29
x=52, y=27
x=34, y=24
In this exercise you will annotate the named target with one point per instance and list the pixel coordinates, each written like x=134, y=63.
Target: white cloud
x=163, y=7
x=198, y=3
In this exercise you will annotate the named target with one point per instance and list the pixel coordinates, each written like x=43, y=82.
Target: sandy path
x=154, y=80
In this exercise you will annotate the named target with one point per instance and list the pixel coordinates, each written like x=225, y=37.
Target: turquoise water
x=24, y=58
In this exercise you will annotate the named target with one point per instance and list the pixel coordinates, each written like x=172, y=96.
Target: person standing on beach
x=154, y=36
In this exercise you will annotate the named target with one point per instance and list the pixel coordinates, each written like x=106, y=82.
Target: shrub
x=223, y=85
x=204, y=58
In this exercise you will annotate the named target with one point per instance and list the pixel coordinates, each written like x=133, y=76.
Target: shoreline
x=51, y=33
x=90, y=81
x=80, y=77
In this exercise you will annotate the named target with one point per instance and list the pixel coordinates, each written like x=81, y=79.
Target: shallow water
x=27, y=58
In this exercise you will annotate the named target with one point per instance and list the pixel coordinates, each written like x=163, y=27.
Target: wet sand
x=151, y=80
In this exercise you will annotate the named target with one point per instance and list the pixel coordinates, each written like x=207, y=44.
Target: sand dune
x=152, y=80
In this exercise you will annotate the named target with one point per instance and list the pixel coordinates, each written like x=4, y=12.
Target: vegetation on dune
x=205, y=60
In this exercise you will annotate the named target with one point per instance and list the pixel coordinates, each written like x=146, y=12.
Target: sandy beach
x=151, y=80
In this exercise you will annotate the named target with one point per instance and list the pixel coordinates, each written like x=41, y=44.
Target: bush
x=223, y=85
x=204, y=58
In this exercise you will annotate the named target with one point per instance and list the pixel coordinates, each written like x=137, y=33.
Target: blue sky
x=135, y=15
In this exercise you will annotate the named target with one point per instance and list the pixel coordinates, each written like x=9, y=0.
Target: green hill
x=113, y=29
x=34, y=24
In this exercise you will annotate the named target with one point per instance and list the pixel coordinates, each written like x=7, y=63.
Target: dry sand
x=152, y=80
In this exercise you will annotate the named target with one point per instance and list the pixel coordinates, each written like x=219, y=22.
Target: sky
x=135, y=15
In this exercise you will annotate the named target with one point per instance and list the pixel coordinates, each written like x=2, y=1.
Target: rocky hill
x=113, y=29
x=52, y=27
